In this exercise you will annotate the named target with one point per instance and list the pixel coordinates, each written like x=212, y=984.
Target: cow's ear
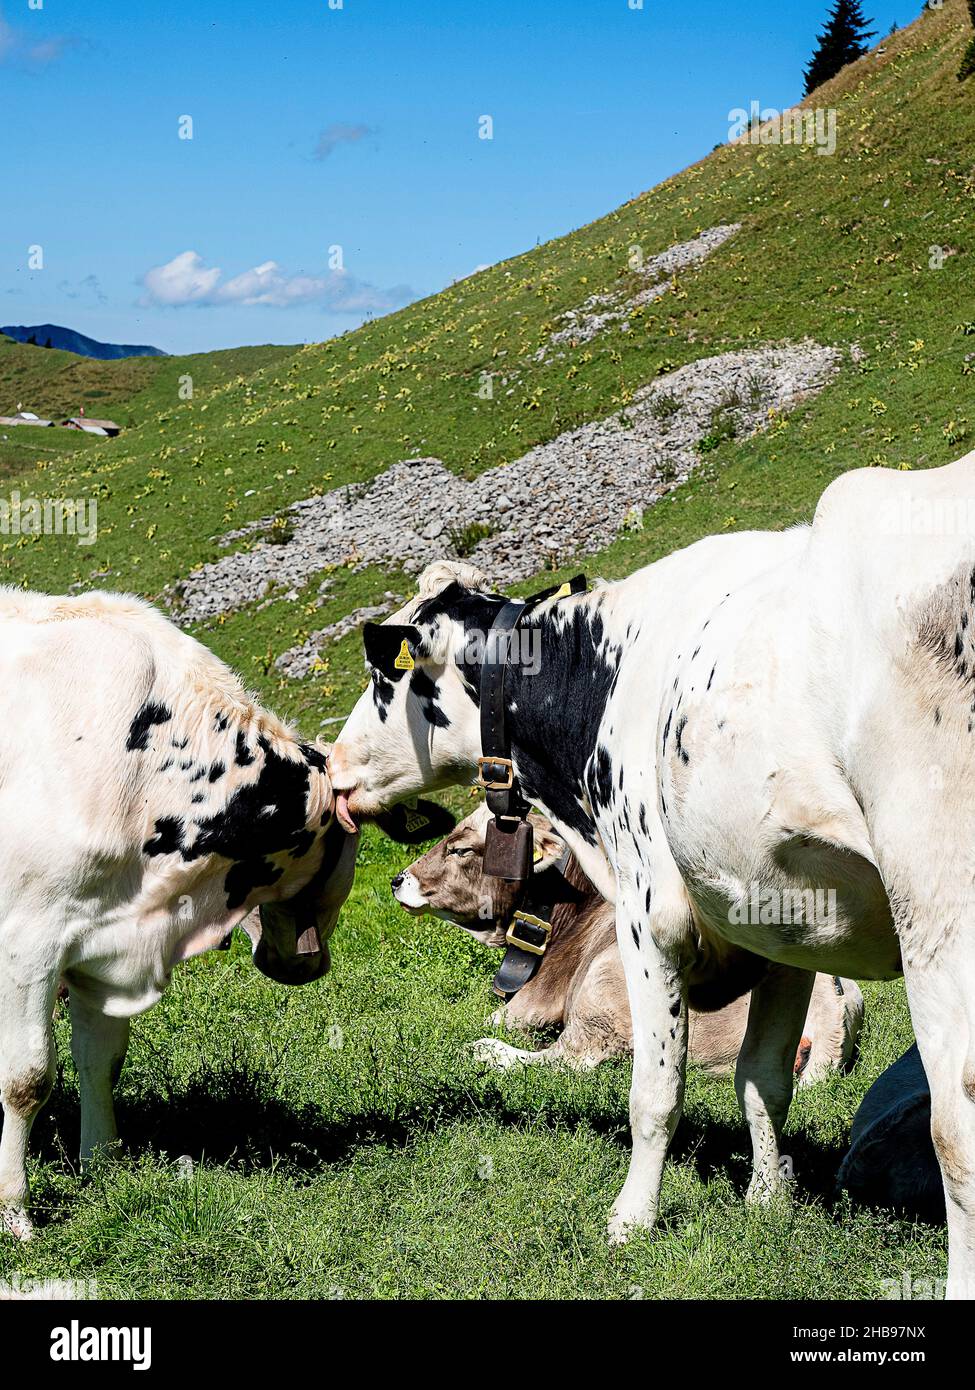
x=391, y=648
x=547, y=850
x=413, y=824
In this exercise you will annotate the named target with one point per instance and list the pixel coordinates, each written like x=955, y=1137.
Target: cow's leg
x=765, y=1070
x=942, y=999
x=98, y=1046
x=27, y=1068
x=502, y=1055
x=651, y=943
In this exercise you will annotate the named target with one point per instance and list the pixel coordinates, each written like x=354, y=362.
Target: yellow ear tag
x=404, y=662
x=564, y=592
x=537, y=855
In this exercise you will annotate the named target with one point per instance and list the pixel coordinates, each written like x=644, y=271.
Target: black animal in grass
x=891, y=1160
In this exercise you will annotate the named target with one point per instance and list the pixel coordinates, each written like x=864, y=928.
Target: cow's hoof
x=496, y=1053
x=16, y=1222
x=763, y=1193
x=618, y=1230
x=624, y=1223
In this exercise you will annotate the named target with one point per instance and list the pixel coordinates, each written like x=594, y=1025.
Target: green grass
x=357, y=1169
x=346, y=1145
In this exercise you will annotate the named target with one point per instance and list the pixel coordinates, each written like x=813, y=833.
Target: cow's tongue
x=343, y=813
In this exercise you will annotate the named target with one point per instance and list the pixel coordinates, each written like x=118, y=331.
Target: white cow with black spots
x=720, y=735
x=147, y=805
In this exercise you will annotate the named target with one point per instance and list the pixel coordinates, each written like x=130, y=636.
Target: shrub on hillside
x=968, y=60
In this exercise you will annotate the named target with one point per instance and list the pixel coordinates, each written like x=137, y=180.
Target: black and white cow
x=729, y=730
x=147, y=805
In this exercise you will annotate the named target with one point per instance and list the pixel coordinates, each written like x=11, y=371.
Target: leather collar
x=529, y=928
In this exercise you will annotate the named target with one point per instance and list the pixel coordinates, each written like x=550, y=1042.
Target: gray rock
x=569, y=497
x=298, y=661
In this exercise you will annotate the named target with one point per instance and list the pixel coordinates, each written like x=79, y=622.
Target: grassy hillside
x=834, y=248
x=837, y=249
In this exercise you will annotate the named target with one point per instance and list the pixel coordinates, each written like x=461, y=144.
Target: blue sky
x=354, y=127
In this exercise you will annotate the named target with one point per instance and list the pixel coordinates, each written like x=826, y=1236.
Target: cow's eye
x=461, y=849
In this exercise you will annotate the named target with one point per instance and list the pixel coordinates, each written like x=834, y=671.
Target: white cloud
x=18, y=49
x=339, y=134
x=267, y=284
x=183, y=280
x=90, y=285
x=186, y=279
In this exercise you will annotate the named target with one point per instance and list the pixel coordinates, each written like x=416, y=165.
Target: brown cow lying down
x=579, y=983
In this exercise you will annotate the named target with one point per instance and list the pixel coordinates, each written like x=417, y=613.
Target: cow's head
x=449, y=880
x=416, y=727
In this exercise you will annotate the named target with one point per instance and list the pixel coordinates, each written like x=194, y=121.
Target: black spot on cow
x=179, y=743
x=243, y=756
x=246, y=875
x=313, y=756
x=679, y=737
x=663, y=746
x=643, y=820
x=303, y=844
x=267, y=817
x=560, y=699
x=151, y=713
x=636, y=936
x=383, y=691
x=937, y=716
x=601, y=778
x=167, y=839
x=649, y=898
x=675, y=1007
x=197, y=797
x=198, y=774
x=221, y=722
x=216, y=772
x=711, y=676
x=427, y=691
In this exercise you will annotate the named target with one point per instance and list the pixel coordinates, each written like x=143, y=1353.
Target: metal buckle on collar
x=528, y=933
x=494, y=784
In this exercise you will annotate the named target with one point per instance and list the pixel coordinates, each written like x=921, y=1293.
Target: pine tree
x=842, y=41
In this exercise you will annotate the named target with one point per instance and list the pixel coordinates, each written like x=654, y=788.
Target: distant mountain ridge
x=68, y=340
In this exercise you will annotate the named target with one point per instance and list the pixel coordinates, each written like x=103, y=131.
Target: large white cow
x=718, y=736
x=147, y=804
